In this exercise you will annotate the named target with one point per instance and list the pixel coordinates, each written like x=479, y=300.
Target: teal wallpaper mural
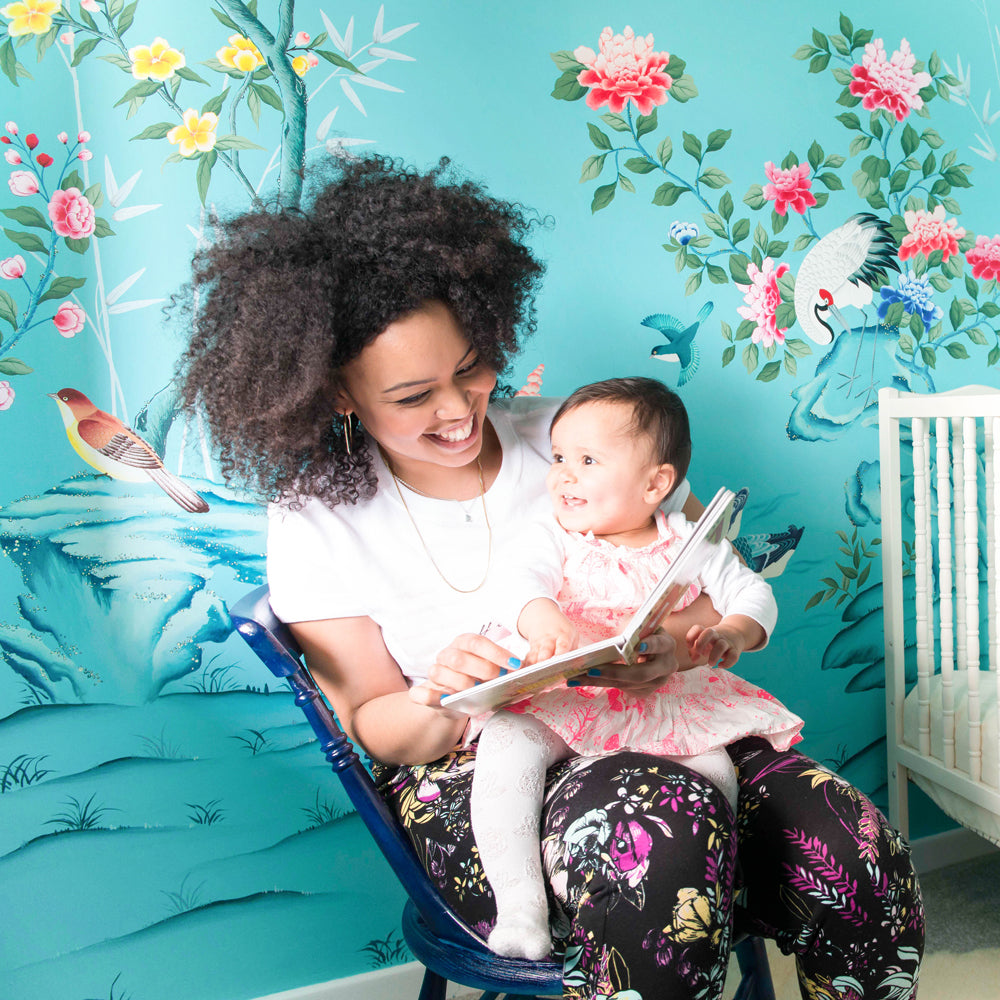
x=779, y=211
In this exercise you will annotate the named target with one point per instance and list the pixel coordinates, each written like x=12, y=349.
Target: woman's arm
x=364, y=685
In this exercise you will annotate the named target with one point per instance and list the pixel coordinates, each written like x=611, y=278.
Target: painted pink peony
x=626, y=69
x=889, y=83
x=929, y=231
x=762, y=299
x=6, y=395
x=23, y=183
x=789, y=187
x=12, y=267
x=69, y=319
x=71, y=214
x=984, y=258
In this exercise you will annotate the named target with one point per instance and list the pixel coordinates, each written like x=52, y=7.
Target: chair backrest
x=273, y=642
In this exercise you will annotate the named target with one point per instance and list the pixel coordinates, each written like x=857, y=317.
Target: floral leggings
x=647, y=885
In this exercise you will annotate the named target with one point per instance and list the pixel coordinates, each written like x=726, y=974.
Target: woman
x=346, y=358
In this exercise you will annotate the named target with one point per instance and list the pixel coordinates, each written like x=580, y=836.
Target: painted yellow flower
x=241, y=54
x=196, y=134
x=301, y=65
x=157, y=61
x=30, y=17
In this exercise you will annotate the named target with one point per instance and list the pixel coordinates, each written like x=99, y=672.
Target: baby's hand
x=716, y=645
x=548, y=631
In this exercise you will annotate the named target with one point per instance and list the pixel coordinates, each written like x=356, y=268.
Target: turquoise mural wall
x=167, y=828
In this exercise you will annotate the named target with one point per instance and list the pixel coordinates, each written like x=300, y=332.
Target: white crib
x=940, y=471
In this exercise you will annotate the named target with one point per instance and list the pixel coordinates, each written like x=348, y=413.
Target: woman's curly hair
x=282, y=300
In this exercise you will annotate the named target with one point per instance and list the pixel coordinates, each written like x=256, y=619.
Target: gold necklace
x=486, y=518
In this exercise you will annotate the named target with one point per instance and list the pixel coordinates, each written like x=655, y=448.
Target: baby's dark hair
x=657, y=413
x=282, y=300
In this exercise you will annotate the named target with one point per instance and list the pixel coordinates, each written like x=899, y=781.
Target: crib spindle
x=946, y=608
x=959, y=548
x=922, y=579
x=970, y=466
x=991, y=442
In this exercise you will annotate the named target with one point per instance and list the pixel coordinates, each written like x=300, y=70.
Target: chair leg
x=433, y=986
x=756, y=984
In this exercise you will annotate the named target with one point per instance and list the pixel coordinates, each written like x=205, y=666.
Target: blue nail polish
x=504, y=671
x=572, y=683
x=594, y=672
x=642, y=647
x=514, y=662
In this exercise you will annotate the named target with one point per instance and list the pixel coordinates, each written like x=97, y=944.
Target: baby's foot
x=521, y=936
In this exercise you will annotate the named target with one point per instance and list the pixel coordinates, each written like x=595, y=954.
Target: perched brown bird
x=104, y=442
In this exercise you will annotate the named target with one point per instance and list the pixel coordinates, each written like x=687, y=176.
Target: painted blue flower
x=683, y=232
x=916, y=295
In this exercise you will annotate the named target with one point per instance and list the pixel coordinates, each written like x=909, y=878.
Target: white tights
x=513, y=755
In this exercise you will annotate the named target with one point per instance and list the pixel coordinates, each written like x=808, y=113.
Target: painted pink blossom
x=23, y=183
x=985, y=258
x=302, y=38
x=789, y=188
x=762, y=299
x=67, y=37
x=11, y=127
x=12, y=267
x=72, y=214
x=6, y=395
x=889, y=83
x=63, y=138
x=84, y=154
x=89, y=5
x=83, y=137
x=929, y=231
x=12, y=156
x=69, y=319
x=626, y=69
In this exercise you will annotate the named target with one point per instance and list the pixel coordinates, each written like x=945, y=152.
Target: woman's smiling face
x=421, y=391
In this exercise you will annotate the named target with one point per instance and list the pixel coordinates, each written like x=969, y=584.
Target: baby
x=619, y=448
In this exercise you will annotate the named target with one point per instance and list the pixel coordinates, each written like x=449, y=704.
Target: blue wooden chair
x=443, y=944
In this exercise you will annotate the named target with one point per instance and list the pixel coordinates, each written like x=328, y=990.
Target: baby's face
x=600, y=471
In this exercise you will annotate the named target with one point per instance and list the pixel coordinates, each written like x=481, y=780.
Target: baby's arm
x=548, y=631
x=721, y=645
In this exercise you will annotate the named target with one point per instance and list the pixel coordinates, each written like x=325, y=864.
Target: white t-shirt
x=367, y=558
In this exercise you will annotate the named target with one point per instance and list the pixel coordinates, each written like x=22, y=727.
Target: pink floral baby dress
x=694, y=711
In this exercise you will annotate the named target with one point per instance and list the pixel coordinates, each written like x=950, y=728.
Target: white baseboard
x=948, y=848
x=383, y=984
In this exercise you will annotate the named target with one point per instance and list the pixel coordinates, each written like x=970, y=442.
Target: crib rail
x=940, y=480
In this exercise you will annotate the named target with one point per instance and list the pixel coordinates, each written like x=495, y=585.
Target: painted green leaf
x=616, y=122
x=850, y=120
x=77, y=246
x=738, y=267
x=726, y=206
x=791, y=365
x=751, y=357
x=27, y=216
x=157, y=131
x=592, y=167
x=116, y=58
x=940, y=282
x=860, y=143
x=14, y=366
x=565, y=60
x=755, y=197
x=26, y=241
x=693, y=283
x=784, y=315
x=716, y=223
x=741, y=230
x=717, y=275
x=692, y=145
x=597, y=137
x=819, y=63
x=603, y=197
x=645, y=124
x=214, y=104
x=338, y=60
x=804, y=52
x=667, y=193
x=993, y=356
x=61, y=287
x=798, y=347
x=726, y=330
x=225, y=19
x=235, y=142
x=746, y=329
x=906, y=344
x=8, y=62
x=955, y=314
x=990, y=309
x=204, y=172
x=101, y=228
x=84, y=49
x=186, y=73
x=127, y=17
x=727, y=355
x=957, y=350
x=625, y=184
x=929, y=355
x=140, y=91
x=268, y=95
x=683, y=89
x=815, y=155
x=639, y=165
x=8, y=308
x=717, y=139
x=665, y=150
x=802, y=241
x=567, y=89
x=713, y=177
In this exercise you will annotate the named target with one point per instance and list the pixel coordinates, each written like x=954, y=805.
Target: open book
x=711, y=527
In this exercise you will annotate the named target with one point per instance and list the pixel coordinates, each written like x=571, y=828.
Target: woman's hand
x=468, y=660
x=656, y=662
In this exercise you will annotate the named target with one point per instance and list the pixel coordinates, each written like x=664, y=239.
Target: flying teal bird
x=680, y=345
x=768, y=553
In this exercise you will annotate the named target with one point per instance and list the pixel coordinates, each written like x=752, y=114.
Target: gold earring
x=345, y=420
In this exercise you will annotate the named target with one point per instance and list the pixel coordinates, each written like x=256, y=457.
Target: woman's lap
x=640, y=856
